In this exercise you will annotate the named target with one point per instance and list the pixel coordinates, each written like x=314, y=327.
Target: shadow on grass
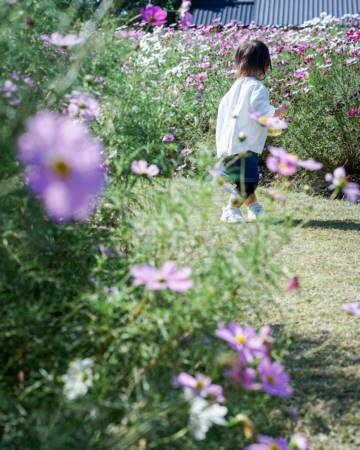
x=326, y=380
x=344, y=225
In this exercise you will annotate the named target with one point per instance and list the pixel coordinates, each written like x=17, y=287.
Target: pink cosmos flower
x=153, y=15
x=168, y=138
x=353, y=112
x=244, y=340
x=339, y=181
x=286, y=164
x=67, y=41
x=301, y=74
x=268, y=443
x=352, y=308
x=200, y=385
x=275, y=380
x=63, y=165
x=141, y=167
x=293, y=284
x=168, y=276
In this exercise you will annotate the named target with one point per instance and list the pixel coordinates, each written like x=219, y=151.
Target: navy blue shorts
x=243, y=171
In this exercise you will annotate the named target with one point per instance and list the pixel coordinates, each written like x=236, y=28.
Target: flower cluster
x=253, y=367
x=82, y=105
x=78, y=379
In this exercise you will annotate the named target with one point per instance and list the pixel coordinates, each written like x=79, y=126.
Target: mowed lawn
x=324, y=251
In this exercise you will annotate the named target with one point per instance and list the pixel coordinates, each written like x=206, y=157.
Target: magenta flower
x=301, y=74
x=168, y=276
x=187, y=20
x=200, y=385
x=339, y=181
x=83, y=106
x=353, y=112
x=352, y=308
x=293, y=284
x=63, y=165
x=275, y=380
x=67, y=41
x=153, y=15
x=268, y=443
x=244, y=340
x=141, y=167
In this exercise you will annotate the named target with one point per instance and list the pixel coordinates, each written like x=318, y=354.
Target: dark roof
x=225, y=10
x=269, y=12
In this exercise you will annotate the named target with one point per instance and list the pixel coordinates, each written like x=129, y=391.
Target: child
x=239, y=138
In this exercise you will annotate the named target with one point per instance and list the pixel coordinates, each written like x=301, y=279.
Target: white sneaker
x=255, y=210
x=231, y=215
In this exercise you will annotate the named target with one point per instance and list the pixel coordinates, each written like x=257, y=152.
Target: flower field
x=131, y=319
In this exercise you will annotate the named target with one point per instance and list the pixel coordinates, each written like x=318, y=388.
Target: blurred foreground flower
x=339, y=182
x=299, y=442
x=275, y=125
x=275, y=380
x=57, y=39
x=244, y=340
x=268, y=443
x=141, y=167
x=352, y=308
x=83, y=106
x=153, y=15
x=63, y=165
x=8, y=88
x=78, y=379
x=204, y=415
x=286, y=164
x=168, y=276
x=200, y=385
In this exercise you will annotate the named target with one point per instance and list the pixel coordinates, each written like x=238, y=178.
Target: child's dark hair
x=252, y=57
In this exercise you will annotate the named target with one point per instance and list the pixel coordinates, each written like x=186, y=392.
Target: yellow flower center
x=270, y=380
x=274, y=447
x=61, y=168
x=282, y=166
x=240, y=339
x=273, y=132
x=263, y=120
x=342, y=181
x=199, y=385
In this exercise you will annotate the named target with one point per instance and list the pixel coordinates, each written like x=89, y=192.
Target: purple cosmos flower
x=273, y=124
x=351, y=61
x=153, y=15
x=293, y=284
x=187, y=20
x=168, y=138
x=168, y=276
x=244, y=340
x=63, y=165
x=301, y=74
x=8, y=88
x=67, y=41
x=141, y=167
x=275, y=380
x=352, y=308
x=244, y=375
x=268, y=443
x=339, y=181
x=299, y=442
x=83, y=106
x=200, y=385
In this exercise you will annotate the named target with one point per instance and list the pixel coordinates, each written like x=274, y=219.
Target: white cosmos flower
x=78, y=379
x=203, y=415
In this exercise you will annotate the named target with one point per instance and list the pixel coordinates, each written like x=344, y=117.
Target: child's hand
x=282, y=111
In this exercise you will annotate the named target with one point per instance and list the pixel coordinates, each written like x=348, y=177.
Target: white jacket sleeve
x=259, y=101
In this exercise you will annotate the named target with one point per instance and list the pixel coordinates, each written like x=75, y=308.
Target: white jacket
x=247, y=93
